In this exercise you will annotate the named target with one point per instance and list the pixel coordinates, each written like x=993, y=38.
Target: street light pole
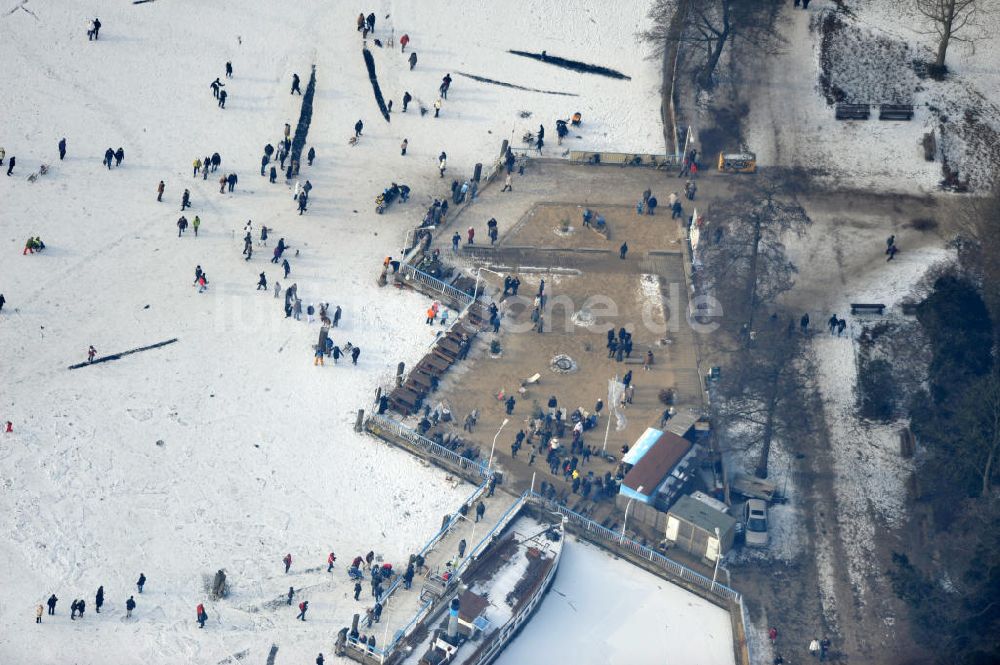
x=718, y=556
x=625, y=521
x=489, y=466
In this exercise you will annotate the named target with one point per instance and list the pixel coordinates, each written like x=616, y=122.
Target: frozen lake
x=604, y=610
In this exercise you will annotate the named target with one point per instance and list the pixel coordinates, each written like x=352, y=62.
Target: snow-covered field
x=228, y=448
x=790, y=122
x=605, y=610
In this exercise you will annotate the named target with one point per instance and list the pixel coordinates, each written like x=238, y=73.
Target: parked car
x=755, y=519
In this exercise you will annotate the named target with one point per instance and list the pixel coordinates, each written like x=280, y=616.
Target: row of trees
x=708, y=27
x=746, y=269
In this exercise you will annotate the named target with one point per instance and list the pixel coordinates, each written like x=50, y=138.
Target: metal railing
x=400, y=430
x=434, y=285
x=615, y=538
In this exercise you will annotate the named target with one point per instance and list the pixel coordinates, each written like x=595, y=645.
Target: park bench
x=450, y=346
x=852, y=112
x=404, y=400
x=435, y=363
x=867, y=308
x=422, y=380
x=895, y=112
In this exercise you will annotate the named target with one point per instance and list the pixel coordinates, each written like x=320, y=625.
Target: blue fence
x=434, y=286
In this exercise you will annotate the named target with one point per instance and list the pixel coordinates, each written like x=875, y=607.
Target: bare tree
x=746, y=265
x=710, y=26
x=949, y=19
x=761, y=395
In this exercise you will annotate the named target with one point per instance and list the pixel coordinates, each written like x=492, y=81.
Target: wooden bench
x=420, y=379
x=433, y=365
x=867, y=308
x=404, y=401
x=895, y=112
x=852, y=111
x=451, y=347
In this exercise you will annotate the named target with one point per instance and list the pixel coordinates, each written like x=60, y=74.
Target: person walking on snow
x=355, y=352
x=358, y=126
x=413, y=60
x=185, y=200
x=222, y=99
x=62, y=148
x=229, y=70
x=403, y=41
x=311, y=155
x=442, y=163
x=38, y=613
x=262, y=282
x=216, y=86
x=142, y=577
x=13, y=160
x=159, y=191
x=295, y=84
x=330, y=560
x=303, y=606
x=51, y=602
x=437, y=107
x=287, y=561
x=195, y=167
x=91, y=353
x=99, y=599
x=195, y=224
x=407, y=98
x=403, y=146
x=129, y=606
x=201, y=615
x=287, y=268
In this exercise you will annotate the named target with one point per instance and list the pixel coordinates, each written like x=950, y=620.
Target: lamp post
x=489, y=466
x=625, y=521
x=718, y=556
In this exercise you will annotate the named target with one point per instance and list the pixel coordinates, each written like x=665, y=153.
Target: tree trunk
x=947, y=22
x=752, y=296
x=765, y=444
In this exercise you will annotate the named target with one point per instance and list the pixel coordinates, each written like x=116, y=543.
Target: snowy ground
x=790, y=122
x=258, y=457
x=605, y=610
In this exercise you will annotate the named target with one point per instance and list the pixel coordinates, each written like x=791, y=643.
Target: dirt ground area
x=647, y=296
x=559, y=225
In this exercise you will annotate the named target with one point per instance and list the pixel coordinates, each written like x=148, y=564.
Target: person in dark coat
x=651, y=205
x=229, y=70
x=141, y=582
x=109, y=156
x=295, y=84
x=413, y=60
x=623, y=250
x=232, y=181
x=216, y=161
x=222, y=99
x=480, y=510
x=51, y=602
x=303, y=607
x=311, y=155
x=274, y=175
x=407, y=98
x=99, y=599
x=129, y=606
x=13, y=160
x=119, y=156
x=355, y=352
x=62, y=148
x=291, y=594
x=262, y=283
x=358, y=126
